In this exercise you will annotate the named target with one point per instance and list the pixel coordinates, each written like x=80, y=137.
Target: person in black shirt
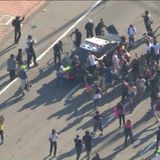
x=89, y=28
x=78, y=38
x=57, y=51
x=135, y=68
x=31, y=50
x=87, y=139
x=148, y=21
x=97, y=123
x=99, y=28
x=78, y=146
x=17, y=26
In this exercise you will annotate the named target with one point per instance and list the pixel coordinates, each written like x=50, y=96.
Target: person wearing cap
x=87, y=140
x=16, y=23
x=78, y=146
x=157, y=107
x=89, y=27
x=53, y=137
x=97, y=123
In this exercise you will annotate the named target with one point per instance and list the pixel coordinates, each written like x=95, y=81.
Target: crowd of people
x=100, y=74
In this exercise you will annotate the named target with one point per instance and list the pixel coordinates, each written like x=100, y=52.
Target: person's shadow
x=7, y=49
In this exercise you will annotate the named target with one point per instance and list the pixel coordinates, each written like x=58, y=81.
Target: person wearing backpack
x=16, y=23
x=157, y=107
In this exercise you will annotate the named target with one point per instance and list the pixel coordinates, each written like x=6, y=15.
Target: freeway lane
x=30, y=119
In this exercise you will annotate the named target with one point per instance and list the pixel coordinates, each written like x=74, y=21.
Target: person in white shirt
x=131, y=34
x=53, y=137
x=116, y=63
x=91, y=60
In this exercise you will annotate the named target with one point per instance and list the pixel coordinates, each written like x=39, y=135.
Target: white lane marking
x=62, y=36
x=5, y=88
x=69, y=29
x=71, y=92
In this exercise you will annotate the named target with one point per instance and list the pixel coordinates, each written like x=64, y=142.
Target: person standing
x=77, y=39
x=89, y=28
x=57, y=51
x=135, y=67
x=78, y=146
x=12, y=66
x=148, y=21
x=53, y=137
x=87, y=140
x=31, y=50
x=131, y=35
x=121, y=113
x=1, y=128
x=16, y=23
x=97, y=123
x=128, y=132
x=99, y=28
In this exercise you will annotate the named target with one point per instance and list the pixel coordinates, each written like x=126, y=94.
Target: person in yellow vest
x=1, y=128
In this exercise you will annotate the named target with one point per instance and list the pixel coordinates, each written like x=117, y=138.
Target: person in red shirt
x=128, y=132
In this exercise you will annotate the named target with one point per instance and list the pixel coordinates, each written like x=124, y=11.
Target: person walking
x=24, y=80
x=87, y=140
x=97, y=123
x=78, y=146
x=12, y=66
x=128, y=132
x=97, y=95
x=53, y=137
x=1, y=128
x=131, y=35
x=57, y=51
x=89, y=27
x=16, y=23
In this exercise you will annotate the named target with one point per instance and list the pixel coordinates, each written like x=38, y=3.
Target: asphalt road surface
x=69, y=109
